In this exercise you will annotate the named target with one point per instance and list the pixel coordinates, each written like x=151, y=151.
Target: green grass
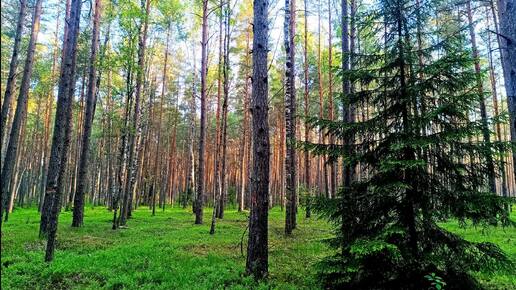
x=168, y=251
x=505, y=238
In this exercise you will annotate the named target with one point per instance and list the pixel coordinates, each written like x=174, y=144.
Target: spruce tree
x=419, y=150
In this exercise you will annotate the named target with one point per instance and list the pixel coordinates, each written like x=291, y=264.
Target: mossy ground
x=168, y=251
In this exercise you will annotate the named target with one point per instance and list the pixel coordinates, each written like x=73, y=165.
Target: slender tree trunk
x=257, y=247
x=47, y=198
x=78, y=203
x=223, y=177
x=190, y=172
x=322, y=180
x=122, y=151
x=61, y=138
x=158, y=141
x=135, y=126
x=245, y=136
x=496, y=112
x=290, y=114
x=219, y=94
x=21, y=108
x=308, y=184
x=332, y=163
x=347, y=109
x=483, y=112
x=173, y=162
x=13, y=66
x=50, y=101
x=202, y=129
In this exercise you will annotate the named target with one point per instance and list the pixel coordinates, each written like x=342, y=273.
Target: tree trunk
x=13, y=66
x=308, y=184
x=21, y=109
x=332, y=163
x=219, y=94
x=257, y=247
x=61, y=138
x=91, y=99
x=483, y=112
x=347, y=109
x=507, y=39
x=134, y=133
x=290, y=114
x=223, y=177
x=245, y=134
x=202, y=130
x=321, y=178
x=158, y=141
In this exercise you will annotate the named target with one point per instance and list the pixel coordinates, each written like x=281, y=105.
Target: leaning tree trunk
x=290, y=114
x=47, y=198
x=61, y=138
x=257, y=248
x=78, y=203
x=13, y=66
x=21, y=108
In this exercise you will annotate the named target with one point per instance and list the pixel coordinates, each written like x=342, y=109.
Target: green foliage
x=436, y=281
x=420, y=162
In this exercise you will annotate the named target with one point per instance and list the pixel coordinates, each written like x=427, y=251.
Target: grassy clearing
x=168, y=251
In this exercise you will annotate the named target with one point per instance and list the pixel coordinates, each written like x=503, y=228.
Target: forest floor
x=168, y=251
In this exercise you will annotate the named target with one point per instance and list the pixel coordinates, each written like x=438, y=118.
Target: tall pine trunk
x=21, y=109
x=223, y=177
x=483, y=111
x=62, y=128
x=91, y=99
x=134, y=132
x=202, y=130
x=289, y=33
x=13, y=66
x=308, y=184
x=257, y=247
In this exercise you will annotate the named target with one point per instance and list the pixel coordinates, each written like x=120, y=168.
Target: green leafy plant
x=436, y=282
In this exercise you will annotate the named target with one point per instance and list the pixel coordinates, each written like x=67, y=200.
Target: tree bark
x=157, y=161
x=308, y=184
x=257, y=248
x=290, y=114
x=223, y=177
x=13, y=66
x=332, y=163
x=91, y=99
x=61, y=138
x=483, y=112
x=246, y=134
x=347, y=108
x=134, y=133
x=202, y=130
x=21, y=109
x=507, y=39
